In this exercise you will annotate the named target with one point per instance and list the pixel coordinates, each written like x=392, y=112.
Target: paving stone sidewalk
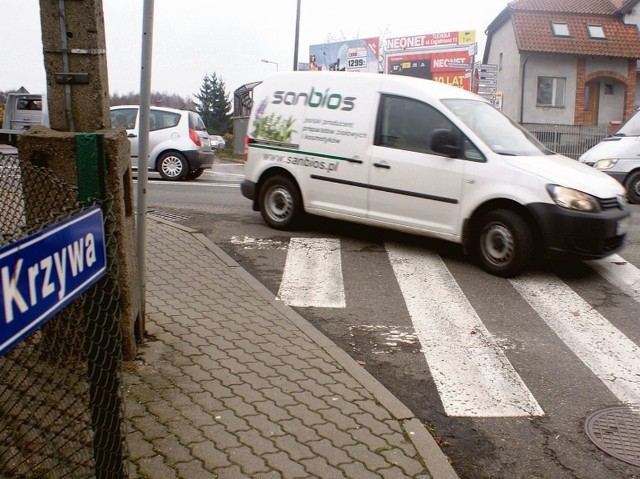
x=233, y=384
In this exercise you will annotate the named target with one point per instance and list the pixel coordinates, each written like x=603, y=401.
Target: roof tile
x=532, y=21
x=597, y=7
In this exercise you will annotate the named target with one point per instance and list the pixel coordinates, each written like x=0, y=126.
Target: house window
x=560, y=29
x=551, y=91
x=608, y=89
x=596, y=31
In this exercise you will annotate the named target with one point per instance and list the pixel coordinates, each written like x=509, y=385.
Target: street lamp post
x=297, y=38
x=264, y=60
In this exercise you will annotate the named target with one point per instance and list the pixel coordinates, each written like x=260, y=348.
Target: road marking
x=312, y=275
x=470, y=370
x=613, y=357
x=620, y=273
x=189, y=183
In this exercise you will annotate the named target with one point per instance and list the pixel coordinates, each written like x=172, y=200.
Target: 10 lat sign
x=41, y=274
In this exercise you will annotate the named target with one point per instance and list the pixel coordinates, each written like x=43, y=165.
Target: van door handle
x=384, y=165
x=131, y=135
x=354, y=160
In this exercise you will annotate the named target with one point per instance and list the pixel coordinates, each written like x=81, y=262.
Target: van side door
x=409, y=184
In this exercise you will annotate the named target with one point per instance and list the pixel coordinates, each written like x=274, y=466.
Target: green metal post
x=102, y=344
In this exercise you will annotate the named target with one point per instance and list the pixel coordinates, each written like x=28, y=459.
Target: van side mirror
x=445, y=142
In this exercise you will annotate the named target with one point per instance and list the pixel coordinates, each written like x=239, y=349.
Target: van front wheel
x=504, y=243
x=280, y=203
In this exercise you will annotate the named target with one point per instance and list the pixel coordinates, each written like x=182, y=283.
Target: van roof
x=389, y=83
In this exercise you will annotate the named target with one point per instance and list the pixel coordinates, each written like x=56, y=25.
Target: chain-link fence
x=60, y=388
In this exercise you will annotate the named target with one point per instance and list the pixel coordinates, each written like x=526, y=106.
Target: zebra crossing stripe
x=620, y=273
x=472, y=374
x=613, y=357
x=312, y=275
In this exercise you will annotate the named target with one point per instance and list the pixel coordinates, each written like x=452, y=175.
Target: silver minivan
x=179, y=145
x=619, y=156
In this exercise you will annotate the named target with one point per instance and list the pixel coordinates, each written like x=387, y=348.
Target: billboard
x=360, y=55
x=430, y=40
x=451, y=66
x=443, y=57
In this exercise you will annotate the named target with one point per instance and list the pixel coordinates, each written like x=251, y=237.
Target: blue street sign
x=41, y=274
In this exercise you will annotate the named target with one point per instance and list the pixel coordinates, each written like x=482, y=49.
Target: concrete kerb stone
x=435, y=460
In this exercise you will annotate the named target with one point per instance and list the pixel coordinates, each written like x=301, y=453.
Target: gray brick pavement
x=233, y=384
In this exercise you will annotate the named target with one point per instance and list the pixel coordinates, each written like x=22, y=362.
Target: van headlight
x=605, y=164
x=572, y=199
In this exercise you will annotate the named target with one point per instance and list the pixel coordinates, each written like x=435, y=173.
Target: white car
x=217, y=142
x=179, y=145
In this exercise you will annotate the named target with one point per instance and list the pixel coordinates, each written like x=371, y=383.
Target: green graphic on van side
x=275, y=128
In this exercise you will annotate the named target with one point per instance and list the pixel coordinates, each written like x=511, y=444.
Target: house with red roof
x=566, y=62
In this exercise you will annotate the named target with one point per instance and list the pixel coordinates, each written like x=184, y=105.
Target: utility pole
x=75, y=64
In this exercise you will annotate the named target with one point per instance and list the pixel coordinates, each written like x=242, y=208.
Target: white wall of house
x=504, y=53
x=633, y=17
x=556, y=66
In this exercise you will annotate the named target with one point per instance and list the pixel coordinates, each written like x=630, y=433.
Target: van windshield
x=498, y=132
x=631, y=127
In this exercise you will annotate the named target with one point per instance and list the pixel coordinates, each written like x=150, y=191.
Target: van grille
x=609, y=203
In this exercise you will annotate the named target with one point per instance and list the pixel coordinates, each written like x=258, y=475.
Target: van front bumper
x=581, y=235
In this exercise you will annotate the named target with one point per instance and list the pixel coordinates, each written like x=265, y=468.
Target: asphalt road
x=538, y=357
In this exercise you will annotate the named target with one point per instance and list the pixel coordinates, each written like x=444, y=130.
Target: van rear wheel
x=280, y=203
x=633, y=187
x=504, y=243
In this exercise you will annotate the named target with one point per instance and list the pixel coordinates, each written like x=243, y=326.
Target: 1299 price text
x=356, y=62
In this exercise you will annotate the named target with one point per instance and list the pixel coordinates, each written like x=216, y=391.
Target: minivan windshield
x=631, y=127
x=498, y=132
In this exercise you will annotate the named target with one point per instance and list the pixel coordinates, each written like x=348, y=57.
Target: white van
x=619, y=156
x=425, y=158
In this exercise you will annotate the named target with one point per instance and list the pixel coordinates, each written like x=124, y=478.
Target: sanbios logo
x=315, y=99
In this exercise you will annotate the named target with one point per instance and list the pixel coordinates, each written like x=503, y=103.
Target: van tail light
x=193, y=134
x=246, y=148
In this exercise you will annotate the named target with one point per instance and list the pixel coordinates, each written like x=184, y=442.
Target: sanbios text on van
x=315, y=99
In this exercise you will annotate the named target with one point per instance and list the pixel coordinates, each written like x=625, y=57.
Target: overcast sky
x=194, y=38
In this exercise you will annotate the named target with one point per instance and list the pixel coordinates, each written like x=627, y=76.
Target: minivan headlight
x=605, y=164
x=572, y=199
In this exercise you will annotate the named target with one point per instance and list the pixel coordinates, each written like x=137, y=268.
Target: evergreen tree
x=214, y=105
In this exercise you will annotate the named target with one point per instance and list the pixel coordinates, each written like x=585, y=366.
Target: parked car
x=179, y=145
x=217, y=142
x=619, y=156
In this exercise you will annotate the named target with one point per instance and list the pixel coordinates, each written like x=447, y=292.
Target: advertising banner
x=430, y=40
x=451, y=66
x=350, y=55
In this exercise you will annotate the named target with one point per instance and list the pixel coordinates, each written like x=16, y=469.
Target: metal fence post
x=102, y=343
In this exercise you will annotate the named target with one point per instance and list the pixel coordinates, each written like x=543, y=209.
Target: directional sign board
x=41, y=274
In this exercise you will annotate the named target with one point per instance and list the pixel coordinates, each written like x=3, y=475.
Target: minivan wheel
x=504, y=243
x=633, y=187
x=172, y=166
x=280, y=202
